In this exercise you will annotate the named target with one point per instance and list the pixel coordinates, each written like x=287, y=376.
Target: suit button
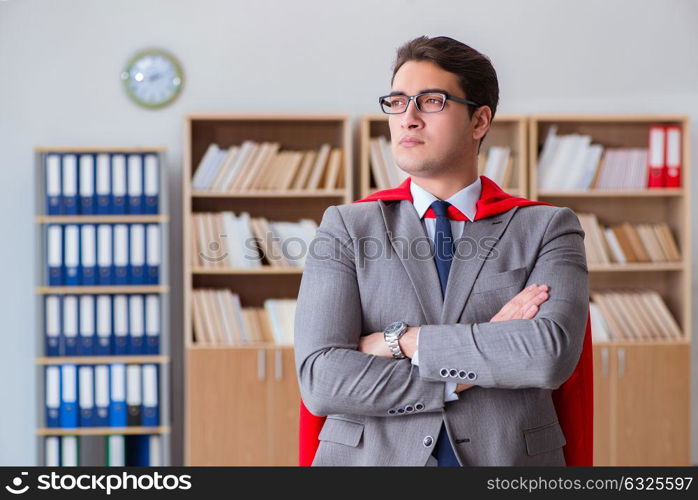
x=444, y=372
x=409, y=408
x=391, y=411
x=462, y=374
x=419, y=407
x=428, y=441
x=401, y=411
x=472, y=375
x=453, y=372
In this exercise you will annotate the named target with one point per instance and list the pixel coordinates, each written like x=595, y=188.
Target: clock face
x=153, y=78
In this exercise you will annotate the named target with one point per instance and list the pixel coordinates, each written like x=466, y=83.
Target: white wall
x=59, y=85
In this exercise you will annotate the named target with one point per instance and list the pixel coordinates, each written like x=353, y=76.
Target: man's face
x=444, y=139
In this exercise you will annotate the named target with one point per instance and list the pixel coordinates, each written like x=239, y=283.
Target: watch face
x=394, y=327
x=153, y=78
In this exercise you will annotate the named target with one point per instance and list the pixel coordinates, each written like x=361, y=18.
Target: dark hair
x=474, y=70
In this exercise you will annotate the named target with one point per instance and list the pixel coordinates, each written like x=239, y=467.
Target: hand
x=524, y=305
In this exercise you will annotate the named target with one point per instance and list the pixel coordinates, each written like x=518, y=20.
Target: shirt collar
x=464, y=200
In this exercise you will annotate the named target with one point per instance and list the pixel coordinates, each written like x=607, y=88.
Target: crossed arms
x=533, y=342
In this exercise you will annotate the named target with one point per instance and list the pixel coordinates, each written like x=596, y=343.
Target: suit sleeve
x=334, y=377
x=541, y=352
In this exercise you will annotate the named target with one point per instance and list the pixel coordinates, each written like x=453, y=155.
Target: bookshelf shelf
x=77, y=290
x=650, y=193
x=637, y=267
x=100, y=219
x=218, y=430
x=101, y=360
x=101, y=431
x=263, y=271
x=149, y=163
x=630, y=372
x=272, y=194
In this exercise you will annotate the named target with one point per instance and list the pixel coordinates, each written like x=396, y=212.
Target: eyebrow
x=400, y=92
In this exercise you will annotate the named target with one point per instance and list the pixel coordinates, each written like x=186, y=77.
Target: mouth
x=410, y=143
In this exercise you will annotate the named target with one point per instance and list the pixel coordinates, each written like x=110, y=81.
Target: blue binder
x=53, y=396
x=54, y=199
x=69, y=173
x=103, y=184
x=54, y=235
x=135, y=184
x=87, y=184
x=118, y=184
x=138, y=450
x=117, y=395
x=86, y=399
x=88, y=254
x=120, y=335
x=151, y=184
x=86, y=339
x=101, y=396
x=71, y=255
x=69, y=398
x=134, y=398
x=52, y=325
x=136, y=320
x=70, y=325
x=103, y=342
x=105, y=254
x=152, y=324
x=152, y=263
x=120, y=255
x=137, y=254
x=150, y=415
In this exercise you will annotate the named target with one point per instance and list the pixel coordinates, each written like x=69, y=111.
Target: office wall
x=59, y=85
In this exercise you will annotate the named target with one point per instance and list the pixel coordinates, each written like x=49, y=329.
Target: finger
x=530, y=312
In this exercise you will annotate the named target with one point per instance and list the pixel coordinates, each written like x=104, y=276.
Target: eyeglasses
x=426, y=102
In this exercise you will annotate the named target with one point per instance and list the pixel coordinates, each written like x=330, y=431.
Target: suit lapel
x=404, y=228
x=473, y=248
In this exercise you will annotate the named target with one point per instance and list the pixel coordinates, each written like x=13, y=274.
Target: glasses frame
x=414, y=98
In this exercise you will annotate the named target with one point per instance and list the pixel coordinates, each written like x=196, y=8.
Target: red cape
x=574, y=402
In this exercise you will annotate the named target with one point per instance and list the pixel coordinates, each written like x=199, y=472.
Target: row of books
x=253, y=166
x=114, y=395
x=386, y=173
x=103, y=254
x=102, y=325
x=631, y=315
x=87, y=184
x=114, y=450
x=226, y=240
x=497, y=165
x=572, y=163
x=219, y=319
x=623, y=243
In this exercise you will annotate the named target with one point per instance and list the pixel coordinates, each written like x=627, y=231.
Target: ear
x=482, y=119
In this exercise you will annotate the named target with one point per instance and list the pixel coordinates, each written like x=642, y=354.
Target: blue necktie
x=443, y=255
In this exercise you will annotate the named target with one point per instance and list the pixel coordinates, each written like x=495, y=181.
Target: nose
x=411, y=118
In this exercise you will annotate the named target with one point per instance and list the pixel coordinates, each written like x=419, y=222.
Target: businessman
x=435, y=320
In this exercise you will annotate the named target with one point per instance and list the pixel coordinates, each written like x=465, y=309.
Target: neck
x=446, y=184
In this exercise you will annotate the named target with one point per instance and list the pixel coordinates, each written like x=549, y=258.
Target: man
x=435, y=320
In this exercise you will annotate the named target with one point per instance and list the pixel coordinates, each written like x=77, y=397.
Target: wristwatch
x=392, y=334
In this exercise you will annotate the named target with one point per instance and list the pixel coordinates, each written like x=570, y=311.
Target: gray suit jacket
x=369, y=265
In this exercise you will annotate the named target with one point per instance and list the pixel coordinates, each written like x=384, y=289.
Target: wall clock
x=153, y=78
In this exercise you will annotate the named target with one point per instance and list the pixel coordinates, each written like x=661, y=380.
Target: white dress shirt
x=464, y=200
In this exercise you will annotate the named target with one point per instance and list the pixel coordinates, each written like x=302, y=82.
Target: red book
x=672, y=162
x=655, y=158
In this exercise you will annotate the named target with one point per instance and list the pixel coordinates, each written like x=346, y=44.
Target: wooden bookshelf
x=241, y=402
x=42, y=290
x=641, y=388
x=506, y=130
